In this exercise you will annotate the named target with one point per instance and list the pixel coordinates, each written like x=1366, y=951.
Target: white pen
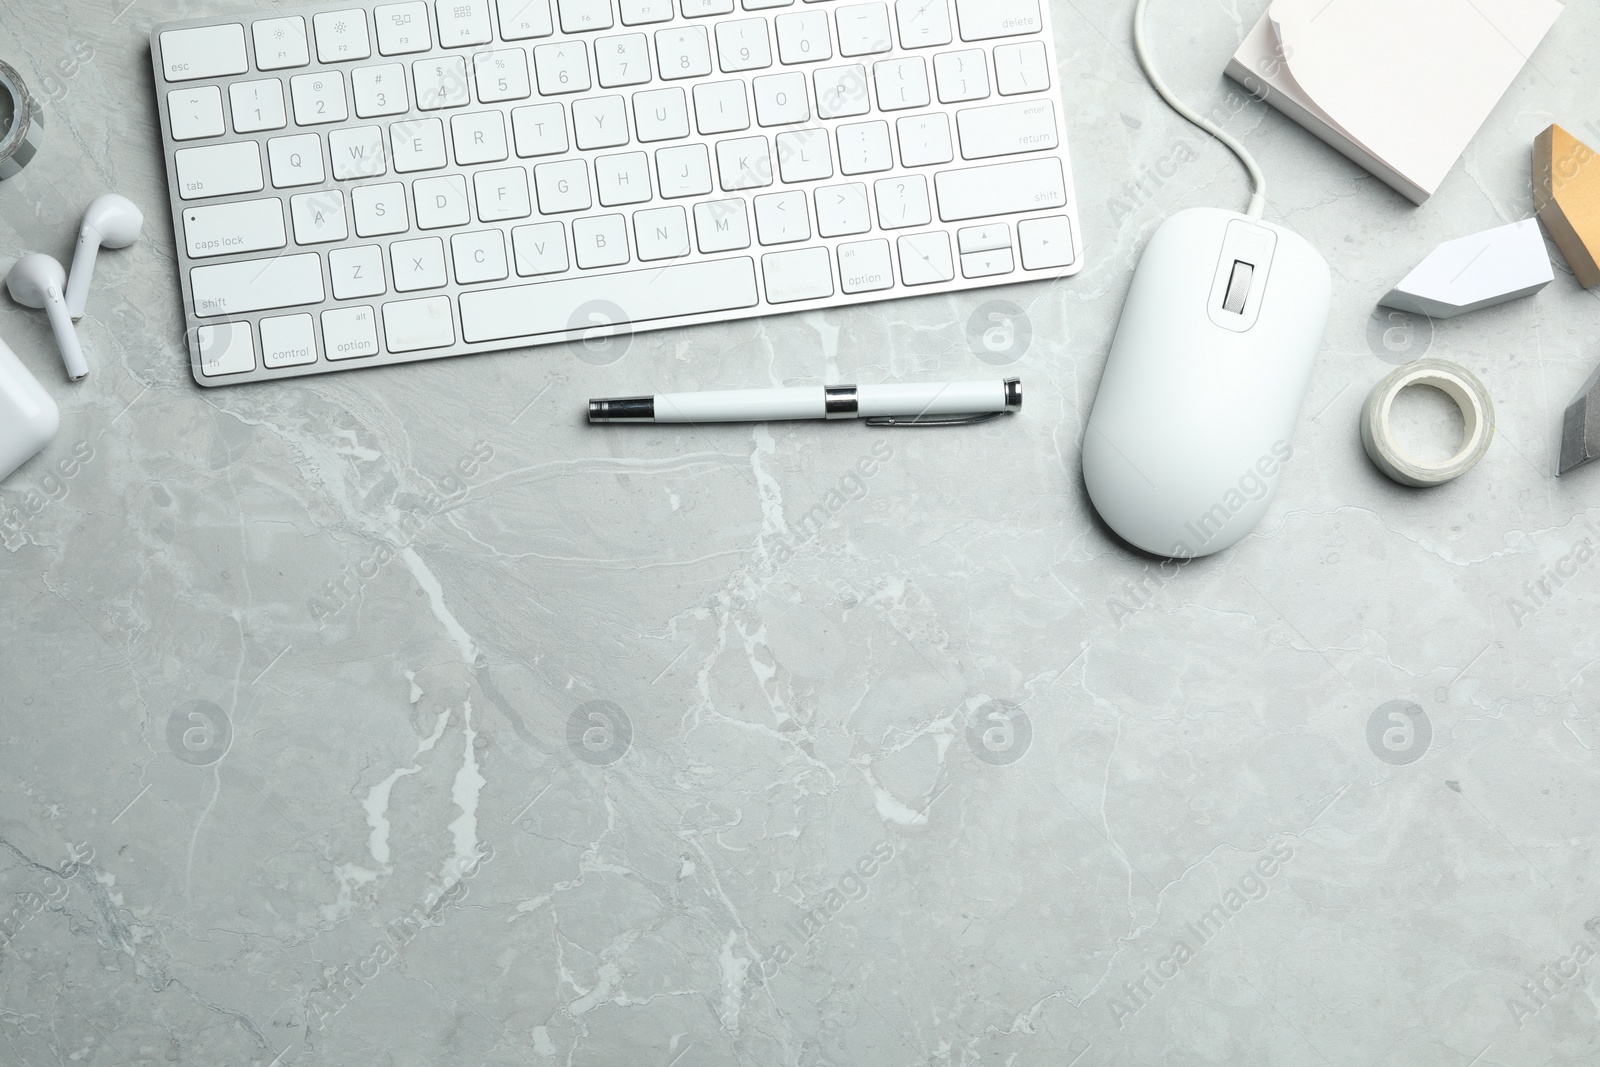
x=932, y=404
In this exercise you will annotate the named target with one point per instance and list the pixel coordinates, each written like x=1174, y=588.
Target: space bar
x=581, y=303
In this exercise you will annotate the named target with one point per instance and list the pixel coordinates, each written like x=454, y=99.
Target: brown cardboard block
x=1566, y=192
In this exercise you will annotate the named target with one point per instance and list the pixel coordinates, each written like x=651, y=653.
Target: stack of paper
x=1399, y=86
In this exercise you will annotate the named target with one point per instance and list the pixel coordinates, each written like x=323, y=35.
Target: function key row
x=416, y=26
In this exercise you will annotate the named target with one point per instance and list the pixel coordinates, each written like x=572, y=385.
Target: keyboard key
x=418, y=264
x=721, y=107
x=803, y=156
x=924, y=139
x=925, y=258
x=207, y=52
x=744, y=163
x=380, y=210
x=987, y=264
x=357, y=153
x=479, y=257
x=441, y=202
x=227, y=348
x=380, y=90
x=1046, y=242
x=863, y=29
x=903, y=202
x=923, y=23
x=502, y=75
x=842, y=91
x=257, y=285
x=417, y=144
x=296, y=161
x=540, y=130
x=196, y=113
x=683, y=171
x=342, y=35
x=357, y=272
x=695, y=9
x=441, y=83
x=561, y=68
x=643, y=12
x=540, y=249
x=288, y=341
x=600, y=122
x=1002, y=189
x=901, y=83
x=463, y=23
x=402, y=28
x=722, y=226
x=961, y=76
x=600, y=241
x=1021, y=68
x=782, y=218
x=622, y=60
x=502, y=194
x=219, y=170
x=581, y=16
x=683, y=52
x=521, y=20
x=864, y=148
x=349, y=333
x=563, y=186
x=319, y=217
x=224, y=229
x=661, y=233
x=983, y=20
x=984, y=238
x=803, y=37
x=1007, y=129
x=660, y=115
x=623, y=179
x=660, y=292
x=742, y=44
x=479, y=138
x=781, y=99
x=804, y=274
x=258, y=106
x=865, y=267
x=319, y=98
x=281, y=43
x=416, y=325
x=843, y=210
x=763, y=5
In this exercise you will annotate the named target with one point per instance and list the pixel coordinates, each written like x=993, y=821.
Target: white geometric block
x=1476, y=272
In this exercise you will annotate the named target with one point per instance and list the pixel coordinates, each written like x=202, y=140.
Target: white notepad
x=1399, y=86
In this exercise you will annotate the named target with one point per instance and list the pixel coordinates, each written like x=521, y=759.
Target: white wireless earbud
x=36, y=281
x=111, y=220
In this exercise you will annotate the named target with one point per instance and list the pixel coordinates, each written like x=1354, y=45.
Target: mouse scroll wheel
x=1239, y=287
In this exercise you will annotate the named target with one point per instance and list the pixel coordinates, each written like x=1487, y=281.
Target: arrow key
x=1046, y=242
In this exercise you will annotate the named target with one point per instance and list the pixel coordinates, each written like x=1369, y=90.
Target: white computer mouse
x=1195, y=416
x=29, y=417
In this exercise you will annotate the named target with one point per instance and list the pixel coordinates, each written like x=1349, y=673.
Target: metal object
x=843, y=401
x=624, y=409
x=20, y=142
x=1580, y=430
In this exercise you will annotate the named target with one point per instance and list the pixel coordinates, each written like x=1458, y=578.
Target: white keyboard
x=375, y=183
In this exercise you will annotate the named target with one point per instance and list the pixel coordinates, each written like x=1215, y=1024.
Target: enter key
x=1007, y=129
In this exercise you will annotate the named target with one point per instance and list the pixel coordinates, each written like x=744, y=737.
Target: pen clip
x=932, y=420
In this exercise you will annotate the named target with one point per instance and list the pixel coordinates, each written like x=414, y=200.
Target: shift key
x=1001, y=189
x=257, y=285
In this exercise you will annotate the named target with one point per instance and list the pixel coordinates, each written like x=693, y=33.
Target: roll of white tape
x=19, y=137
x=1456, y=382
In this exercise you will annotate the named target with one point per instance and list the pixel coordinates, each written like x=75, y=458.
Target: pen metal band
x=624, y=409
x=843, y=402
x=1013, y=394
x=19, y=142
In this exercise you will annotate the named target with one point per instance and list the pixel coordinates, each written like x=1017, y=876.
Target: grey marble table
x=399, y=718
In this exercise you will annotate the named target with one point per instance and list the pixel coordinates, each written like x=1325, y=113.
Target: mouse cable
x=1258, y=201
